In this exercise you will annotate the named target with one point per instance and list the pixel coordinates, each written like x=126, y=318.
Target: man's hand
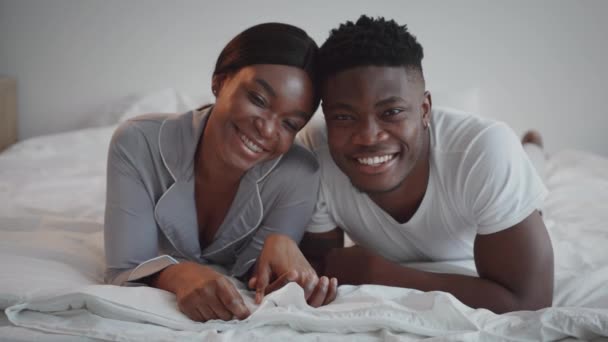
x=282, y=262
x=202, y=293
x=352, y=265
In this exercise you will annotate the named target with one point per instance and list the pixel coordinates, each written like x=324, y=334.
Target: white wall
x=530, y=63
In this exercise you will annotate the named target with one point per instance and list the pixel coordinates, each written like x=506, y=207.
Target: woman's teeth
x=250, y=144
x=375, y=161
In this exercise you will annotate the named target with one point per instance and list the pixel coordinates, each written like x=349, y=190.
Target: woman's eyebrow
x=266, y=86
x=305, y=116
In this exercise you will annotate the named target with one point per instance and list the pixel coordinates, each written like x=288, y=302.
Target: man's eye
x=257, y=100
x=342, y=117
x=392, y=112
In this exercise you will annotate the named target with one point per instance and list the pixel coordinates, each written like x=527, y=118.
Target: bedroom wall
x=530, y=63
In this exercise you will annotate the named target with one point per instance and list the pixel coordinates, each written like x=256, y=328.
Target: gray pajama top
x=151, y=220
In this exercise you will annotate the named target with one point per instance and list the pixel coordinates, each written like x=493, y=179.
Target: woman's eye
x=291, y=125
x=342, y=117
x=257, y=100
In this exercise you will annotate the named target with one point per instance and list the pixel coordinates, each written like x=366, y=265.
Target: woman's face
x=258, y=111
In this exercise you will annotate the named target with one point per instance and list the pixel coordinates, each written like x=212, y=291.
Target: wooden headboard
x=8, y=112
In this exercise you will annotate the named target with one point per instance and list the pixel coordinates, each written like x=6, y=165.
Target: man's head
x=375, y=104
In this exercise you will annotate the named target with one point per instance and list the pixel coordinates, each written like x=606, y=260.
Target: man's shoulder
x=462, y=143
x=314, y=135
x=455, y=131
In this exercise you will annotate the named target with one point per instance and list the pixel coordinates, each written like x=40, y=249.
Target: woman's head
x=265, y=88
x=269, y=43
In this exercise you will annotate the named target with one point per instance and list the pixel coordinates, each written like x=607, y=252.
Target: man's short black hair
x=369, y=41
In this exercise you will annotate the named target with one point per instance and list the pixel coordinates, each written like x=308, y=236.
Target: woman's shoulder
x=143, y=129
x=298, y=167
x=299, y=159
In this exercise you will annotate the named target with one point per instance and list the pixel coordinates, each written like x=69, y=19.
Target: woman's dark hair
x=271, y=43
x=369, y=41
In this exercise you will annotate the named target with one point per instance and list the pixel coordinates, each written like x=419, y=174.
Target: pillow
x=166, y=100
x=162, y=101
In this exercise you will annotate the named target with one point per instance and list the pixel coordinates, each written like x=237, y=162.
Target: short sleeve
x=500, y=185
x=314, y=137
x=321, y=220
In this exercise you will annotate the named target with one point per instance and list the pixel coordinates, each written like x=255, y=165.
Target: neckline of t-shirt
x=421, y=208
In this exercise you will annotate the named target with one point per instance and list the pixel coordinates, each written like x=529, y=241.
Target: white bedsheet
x=52, y=195
x=144, y=314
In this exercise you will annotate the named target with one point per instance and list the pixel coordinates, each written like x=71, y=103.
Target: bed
x=51, y=249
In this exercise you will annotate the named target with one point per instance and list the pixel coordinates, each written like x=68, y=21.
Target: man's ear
x=427, y=105
x=217, y=82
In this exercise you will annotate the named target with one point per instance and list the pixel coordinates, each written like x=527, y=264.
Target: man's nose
x=369, y=132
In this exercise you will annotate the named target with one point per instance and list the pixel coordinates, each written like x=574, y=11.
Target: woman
x=222, y=184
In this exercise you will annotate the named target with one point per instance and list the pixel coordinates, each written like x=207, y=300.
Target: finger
x=205, y=313
x=286, y=278
x=252, y=281
x=219, y=310
x=332, y=291
x=309, y=282
x=189, y=308
x=263, y=277
x=231, y=299
x=193, y=314
x=214, y=302
x=318, y=296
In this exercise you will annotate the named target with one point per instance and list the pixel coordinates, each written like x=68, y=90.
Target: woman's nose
x=266, y=127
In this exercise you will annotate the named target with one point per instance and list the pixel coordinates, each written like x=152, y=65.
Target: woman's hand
x=282, y=262
x=202, y=293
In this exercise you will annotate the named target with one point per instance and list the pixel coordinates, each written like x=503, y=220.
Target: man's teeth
x=251, y=145
x=375, y=161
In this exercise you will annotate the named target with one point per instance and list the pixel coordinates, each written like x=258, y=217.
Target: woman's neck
x=209, y=167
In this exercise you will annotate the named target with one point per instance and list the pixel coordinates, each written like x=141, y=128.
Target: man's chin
x=375, y=189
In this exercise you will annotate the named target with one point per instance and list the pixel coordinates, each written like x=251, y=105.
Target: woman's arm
x=295, y=184
x=130, y=231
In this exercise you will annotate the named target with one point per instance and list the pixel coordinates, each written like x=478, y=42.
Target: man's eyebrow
x=339, y=105
x=389, y=100
x=266, y=86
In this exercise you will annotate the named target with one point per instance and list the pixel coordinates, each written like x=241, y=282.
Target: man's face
x=376, y=119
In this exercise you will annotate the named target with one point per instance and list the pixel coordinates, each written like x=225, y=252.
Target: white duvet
x=52, y=195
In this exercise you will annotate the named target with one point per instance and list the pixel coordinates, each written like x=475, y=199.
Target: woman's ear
x=216, y=83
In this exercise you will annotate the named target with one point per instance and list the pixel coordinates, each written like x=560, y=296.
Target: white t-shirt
x=481, y=182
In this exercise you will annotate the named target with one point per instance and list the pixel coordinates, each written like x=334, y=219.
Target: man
x=408, y=183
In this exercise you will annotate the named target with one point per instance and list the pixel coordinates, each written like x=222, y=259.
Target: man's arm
x=316, y=246
x=515, y=268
